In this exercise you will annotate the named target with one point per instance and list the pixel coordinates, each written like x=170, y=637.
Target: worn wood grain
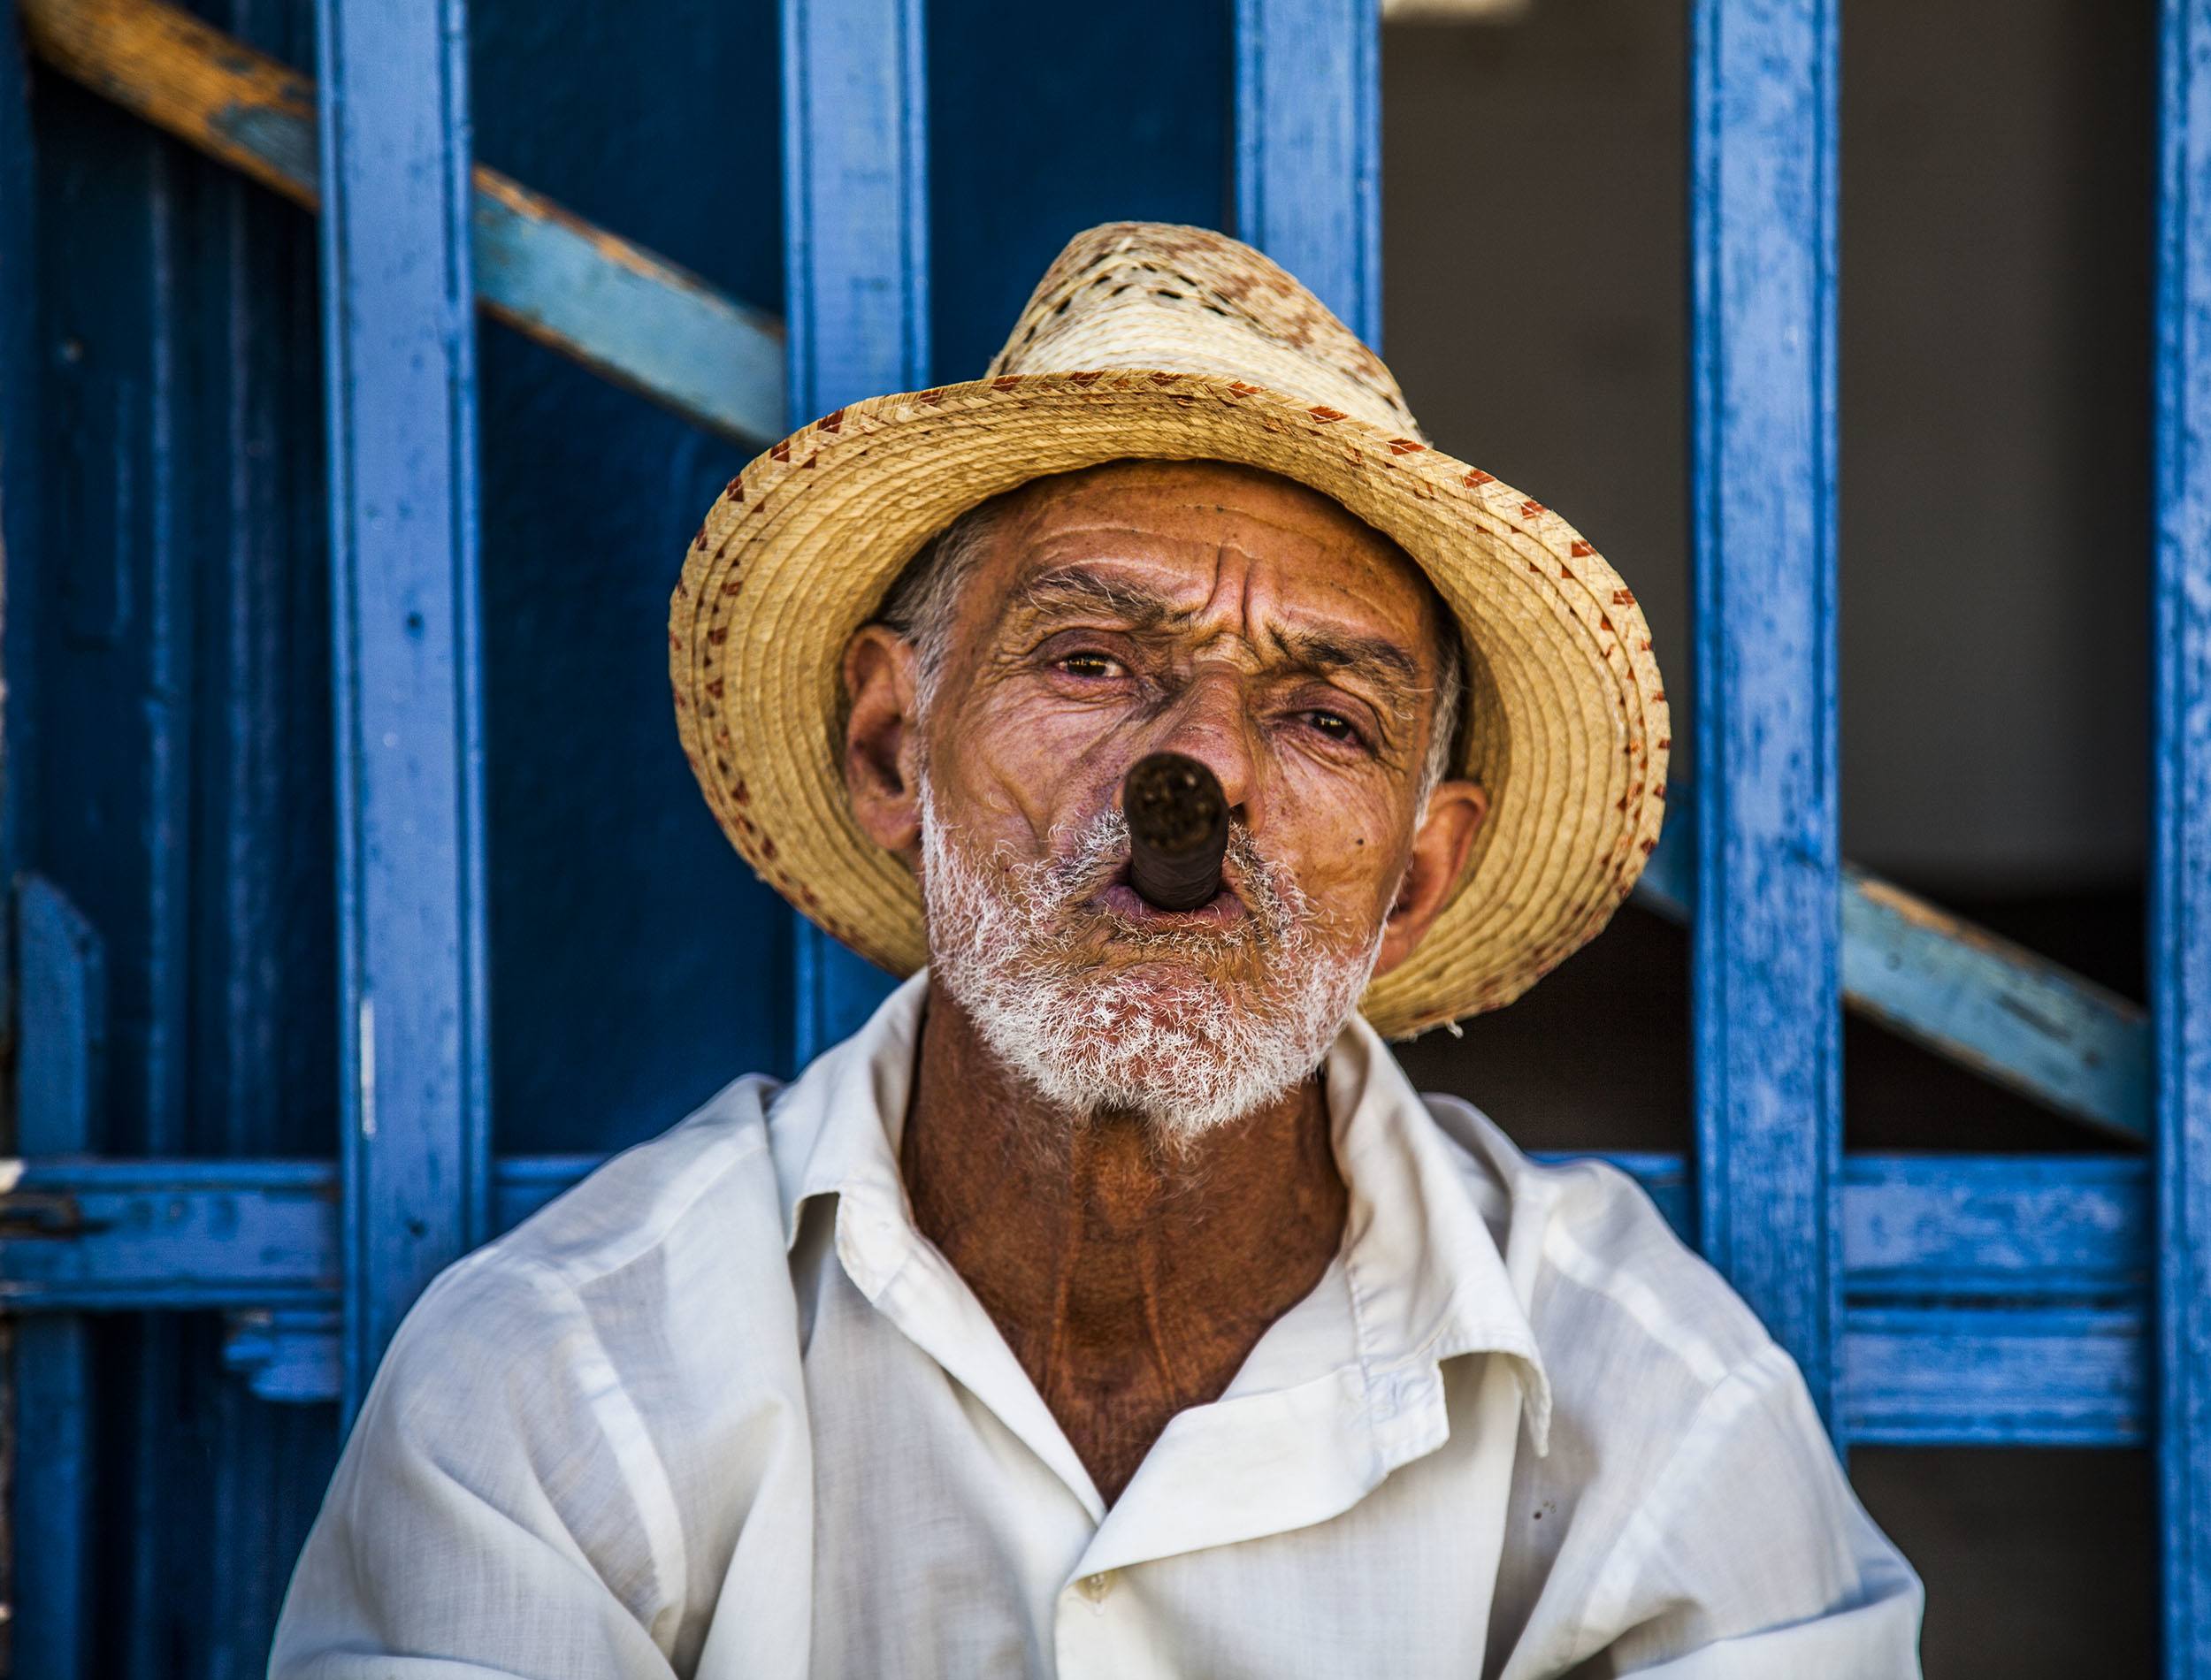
x=856, y=297
x=1766, y=977
x=627, y=314
x=414, y=1103
x=2180, y=841
x=1969, y=996
x=1308, y=147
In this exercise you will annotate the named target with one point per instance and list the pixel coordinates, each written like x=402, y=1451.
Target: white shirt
x=722, y=1410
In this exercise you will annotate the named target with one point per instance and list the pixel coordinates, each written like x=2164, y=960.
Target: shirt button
x=1095, y=1587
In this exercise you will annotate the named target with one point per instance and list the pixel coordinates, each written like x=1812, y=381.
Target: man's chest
x=945, y=1539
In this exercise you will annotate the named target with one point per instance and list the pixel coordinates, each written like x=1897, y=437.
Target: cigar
x=1178, y=829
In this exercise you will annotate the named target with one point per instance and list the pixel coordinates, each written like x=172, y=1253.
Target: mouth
x=1123, y=903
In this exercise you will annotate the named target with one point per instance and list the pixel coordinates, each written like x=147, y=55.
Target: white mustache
x=1098, y=855
x=1191, y=1045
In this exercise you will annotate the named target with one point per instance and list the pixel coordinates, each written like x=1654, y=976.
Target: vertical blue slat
x=2180, y=870
x=400, y=364
x=1768, y=925
x=1309, y=147
x=856, y=312
x=58, y=1092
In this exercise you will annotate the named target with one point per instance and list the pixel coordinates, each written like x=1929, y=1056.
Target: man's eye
x=1089, y=664
x=1334, y=726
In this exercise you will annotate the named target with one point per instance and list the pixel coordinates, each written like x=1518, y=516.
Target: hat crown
x=1164, y=298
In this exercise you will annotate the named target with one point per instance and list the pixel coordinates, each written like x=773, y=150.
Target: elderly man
x=1110, y=1305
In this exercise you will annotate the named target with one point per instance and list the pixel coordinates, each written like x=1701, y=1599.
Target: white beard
x=1156, y=1021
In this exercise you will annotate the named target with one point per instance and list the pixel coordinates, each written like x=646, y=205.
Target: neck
x=1130, y=1277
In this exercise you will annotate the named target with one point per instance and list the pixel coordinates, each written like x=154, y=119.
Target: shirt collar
x=1428, y=1278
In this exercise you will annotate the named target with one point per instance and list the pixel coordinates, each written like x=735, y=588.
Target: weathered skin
x=1290, y=647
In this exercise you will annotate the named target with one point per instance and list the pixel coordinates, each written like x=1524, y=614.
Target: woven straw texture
x=1147, y=340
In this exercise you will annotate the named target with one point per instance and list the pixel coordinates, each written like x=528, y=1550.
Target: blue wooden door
x=359, y=899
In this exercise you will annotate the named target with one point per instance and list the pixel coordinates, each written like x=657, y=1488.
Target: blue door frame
x=1929, y=1299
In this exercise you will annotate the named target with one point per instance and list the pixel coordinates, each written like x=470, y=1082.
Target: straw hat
x=1147, y=340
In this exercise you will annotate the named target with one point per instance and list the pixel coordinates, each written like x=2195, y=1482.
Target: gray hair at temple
x=918, y=608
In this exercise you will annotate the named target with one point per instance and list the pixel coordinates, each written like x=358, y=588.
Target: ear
x=882, y=744
x=1446, y=835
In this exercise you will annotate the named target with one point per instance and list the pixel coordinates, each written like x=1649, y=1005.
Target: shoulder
x=1650, y=1358
x=675, y=1243
x=1609, y=1279
x=711, y=1179
x=1689, y=1491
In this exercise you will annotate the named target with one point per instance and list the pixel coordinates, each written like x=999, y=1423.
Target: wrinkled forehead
x=1194, y=532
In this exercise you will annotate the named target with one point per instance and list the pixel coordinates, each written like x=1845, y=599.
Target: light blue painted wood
x=2014, y=1017
x=856, y=306
x=1989, y=1376
x=169, y=1235
x=2055, y=1230
x=63, y=1038
x=626, y=313
x=1767, y=968
x=1309, y=147
x=1995, y=1007
x=399, y=324
x=2180, y=866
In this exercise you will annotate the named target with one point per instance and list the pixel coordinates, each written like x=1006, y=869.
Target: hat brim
x=1567, y=723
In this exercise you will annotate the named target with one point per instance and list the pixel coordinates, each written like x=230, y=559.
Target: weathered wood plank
x=1309, y=147
x=1767, y=963
x=1947, y=1227
x=2028, y=1024
x=2180, y=866
x=63, y=998
x=1995, y=1376
x=152, y=1235
x=856, y=297
x=628, y=315
x=399, y=352
x=1996, y=1007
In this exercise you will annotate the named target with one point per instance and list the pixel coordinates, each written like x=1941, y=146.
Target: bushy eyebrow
x=1082, y=588
x=1390, y=667
x=1336, y=651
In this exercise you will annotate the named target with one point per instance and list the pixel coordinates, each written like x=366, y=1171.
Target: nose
x=1212, y=722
